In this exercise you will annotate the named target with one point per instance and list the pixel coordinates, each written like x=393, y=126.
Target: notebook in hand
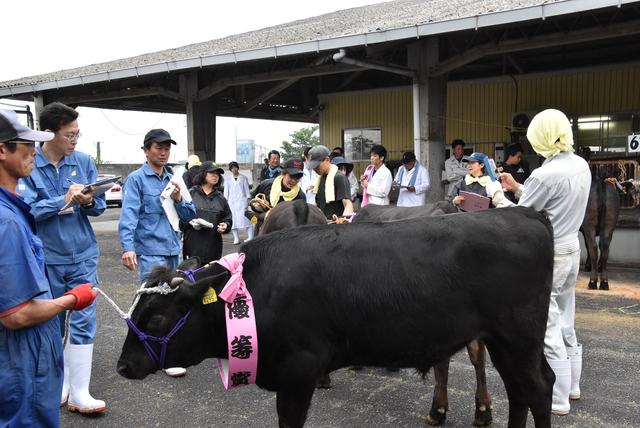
x=99, y=188
x=474, y=202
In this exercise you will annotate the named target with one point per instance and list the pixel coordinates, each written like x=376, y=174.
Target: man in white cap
x=559, y=189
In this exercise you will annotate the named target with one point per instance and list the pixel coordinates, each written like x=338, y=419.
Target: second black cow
x=315, y=313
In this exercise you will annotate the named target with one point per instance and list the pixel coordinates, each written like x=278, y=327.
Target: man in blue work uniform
x=70, y=245
x=31, y=362
x=146, y=236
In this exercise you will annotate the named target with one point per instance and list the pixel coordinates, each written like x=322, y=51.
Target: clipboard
x=474, y=202
x=100, y=187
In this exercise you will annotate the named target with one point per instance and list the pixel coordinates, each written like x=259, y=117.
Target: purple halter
x=163, y=341
x=190, y=274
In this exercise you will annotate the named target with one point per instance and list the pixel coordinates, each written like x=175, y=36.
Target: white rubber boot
x=65, y=383
x=249, y=234
x=236, y=238
x=562, y=369
x=575, y=356
x=80, y=400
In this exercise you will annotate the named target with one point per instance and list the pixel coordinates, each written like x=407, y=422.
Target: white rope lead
x=163, y=289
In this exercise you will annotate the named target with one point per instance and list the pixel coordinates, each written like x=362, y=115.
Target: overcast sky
x=41, y=36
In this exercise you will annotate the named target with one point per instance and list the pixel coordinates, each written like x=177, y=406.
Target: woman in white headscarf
x=559, y=189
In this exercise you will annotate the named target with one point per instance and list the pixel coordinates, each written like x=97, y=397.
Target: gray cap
x=316, y=155
x=12, y=129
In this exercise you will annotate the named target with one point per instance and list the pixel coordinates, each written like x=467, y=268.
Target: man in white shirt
x=413, y=180
x=560, y=190
x=376, y=180
x=456, y=166
x=308, y=180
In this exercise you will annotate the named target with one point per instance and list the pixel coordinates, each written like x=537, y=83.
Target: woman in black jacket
x=203, y=235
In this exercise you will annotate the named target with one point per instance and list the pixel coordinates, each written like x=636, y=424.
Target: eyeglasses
x=72, y=136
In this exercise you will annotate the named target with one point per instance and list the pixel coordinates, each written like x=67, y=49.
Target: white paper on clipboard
x=100, y=187
x=168, y=204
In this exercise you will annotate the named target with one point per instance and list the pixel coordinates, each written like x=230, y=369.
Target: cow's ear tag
x=209, y=297
x=254, y=220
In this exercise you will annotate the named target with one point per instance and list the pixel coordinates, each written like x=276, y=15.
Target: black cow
x=288, y=214
x=475, y=349
x=315, y=313
x=600, y=219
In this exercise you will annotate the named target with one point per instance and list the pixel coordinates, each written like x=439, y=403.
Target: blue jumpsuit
x=70, y=245
x=31, y=362
x=144, y=227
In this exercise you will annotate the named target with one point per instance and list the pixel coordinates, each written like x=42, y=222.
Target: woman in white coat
x=236, y=191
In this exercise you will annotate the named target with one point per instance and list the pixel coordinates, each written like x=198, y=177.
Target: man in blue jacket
x=146, y=236
x=31, y=362
x=70, y=245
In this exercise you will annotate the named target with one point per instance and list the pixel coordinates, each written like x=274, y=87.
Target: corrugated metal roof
x=380, y=22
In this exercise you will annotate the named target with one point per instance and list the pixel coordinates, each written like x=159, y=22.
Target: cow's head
x=632, y=188
x=157, y=315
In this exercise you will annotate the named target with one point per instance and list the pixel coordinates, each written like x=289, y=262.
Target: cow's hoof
x=593, y=285
x=483, y=417
x=323, y=382
x=436, y=417
x=604, y=285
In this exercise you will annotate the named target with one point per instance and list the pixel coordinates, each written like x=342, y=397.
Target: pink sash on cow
x=242, y=337
x=368, y=173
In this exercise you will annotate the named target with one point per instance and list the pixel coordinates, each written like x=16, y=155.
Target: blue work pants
x=147, y=263
x=65, y=277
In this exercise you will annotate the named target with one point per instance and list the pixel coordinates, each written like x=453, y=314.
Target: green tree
x=300, y=139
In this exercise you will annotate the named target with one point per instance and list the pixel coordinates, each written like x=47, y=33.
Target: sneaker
x=175, y=371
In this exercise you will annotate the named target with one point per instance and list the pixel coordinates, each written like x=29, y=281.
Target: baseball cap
x=293, y=167
x=340, y=160
x=12, y=129
x=212, y=167
x=477, y=157
x=408, y=157
x=316, y=155
x=192, y=160
x=159, y=136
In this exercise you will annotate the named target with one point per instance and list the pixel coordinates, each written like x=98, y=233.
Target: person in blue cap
x=475, y=181
x=146, y=235
x=31, y=361
x=70, y=245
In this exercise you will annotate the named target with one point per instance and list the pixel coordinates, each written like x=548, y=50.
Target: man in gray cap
x=333, y=192
x=32, y=363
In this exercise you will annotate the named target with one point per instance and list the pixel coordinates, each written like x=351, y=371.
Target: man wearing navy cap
x=31, y=362
x=413, y=180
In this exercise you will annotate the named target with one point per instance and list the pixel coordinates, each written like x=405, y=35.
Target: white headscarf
x=550, y=133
